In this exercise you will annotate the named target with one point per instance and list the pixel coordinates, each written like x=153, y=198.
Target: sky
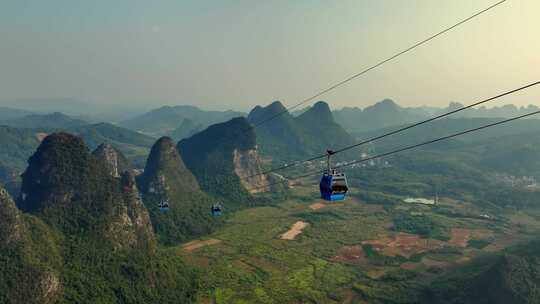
x=238, y=54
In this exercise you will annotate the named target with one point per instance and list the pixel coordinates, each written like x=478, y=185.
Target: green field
x=252, y=264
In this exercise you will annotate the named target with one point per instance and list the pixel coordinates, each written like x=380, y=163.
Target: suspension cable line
x=317, y=172
x=380, y=63
x=370, y=140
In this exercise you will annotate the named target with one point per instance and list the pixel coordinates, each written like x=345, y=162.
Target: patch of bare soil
x=410, y=265
x=501, y=242
x=350, y=254
x=348, y=297
x=372, y=208
x=460, y=237
x=463, y=260
x=295, y=230
x=196, y=244
x=434, y=263
x=479, y=234
x=404, y=244
x=376, y=273
x=197, y=260
x=243, y=265
x=247, y=165
x=317, y=206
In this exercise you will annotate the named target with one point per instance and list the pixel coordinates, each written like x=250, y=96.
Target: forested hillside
x=166, y=179
x=285, y=137
x=85, y=236
x=18, y=144
x=511, y=277
x=210, y=155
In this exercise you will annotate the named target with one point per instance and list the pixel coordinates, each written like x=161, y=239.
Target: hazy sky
x=236, y=54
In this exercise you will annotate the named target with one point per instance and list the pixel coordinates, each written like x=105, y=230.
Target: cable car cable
x=313, y=173
x=370, y=140
x=380, y=63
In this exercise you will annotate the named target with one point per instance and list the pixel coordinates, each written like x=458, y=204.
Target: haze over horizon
x=147, y=55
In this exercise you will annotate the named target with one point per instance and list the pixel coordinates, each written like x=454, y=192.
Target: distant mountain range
x=166, y=120
x=52, y=120
x=84, y=229
x=186, y=129
x=388, y=113
x=7, y=113
x=184, y=120
x=87, y=110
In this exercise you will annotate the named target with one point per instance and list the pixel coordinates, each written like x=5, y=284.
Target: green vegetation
x=478, y=244
x=209, y=155
x=421, y=224
x=86, y=237
x=186, y=129
x=287, y=138
x=511, y=277
x=378, y=259
x=253, y=266
x=188, y=217
x=18, y=144
x=89, y=271
x=90, y=191
x=166, y=178
x=95, y=273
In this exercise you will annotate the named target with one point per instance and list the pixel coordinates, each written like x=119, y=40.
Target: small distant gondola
x=217, y=209
x=164, y=205
x=333, y=184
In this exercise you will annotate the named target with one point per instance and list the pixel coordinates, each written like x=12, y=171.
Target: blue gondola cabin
x=217, y=209
x=164, y=206
x=333, y=186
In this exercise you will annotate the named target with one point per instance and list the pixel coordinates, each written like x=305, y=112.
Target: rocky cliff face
x=220, y=155
x=247, y=164
x=11, y=225
x=115, y=161
x=131, y=226
x=75, y=192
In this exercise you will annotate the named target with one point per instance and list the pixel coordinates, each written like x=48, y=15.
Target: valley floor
x=349, y=252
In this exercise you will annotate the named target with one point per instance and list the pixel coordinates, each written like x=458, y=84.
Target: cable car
x=217, y=209
x=163, y=205
x=333, y=184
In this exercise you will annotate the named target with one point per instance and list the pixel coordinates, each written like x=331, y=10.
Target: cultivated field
x=304, y=250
